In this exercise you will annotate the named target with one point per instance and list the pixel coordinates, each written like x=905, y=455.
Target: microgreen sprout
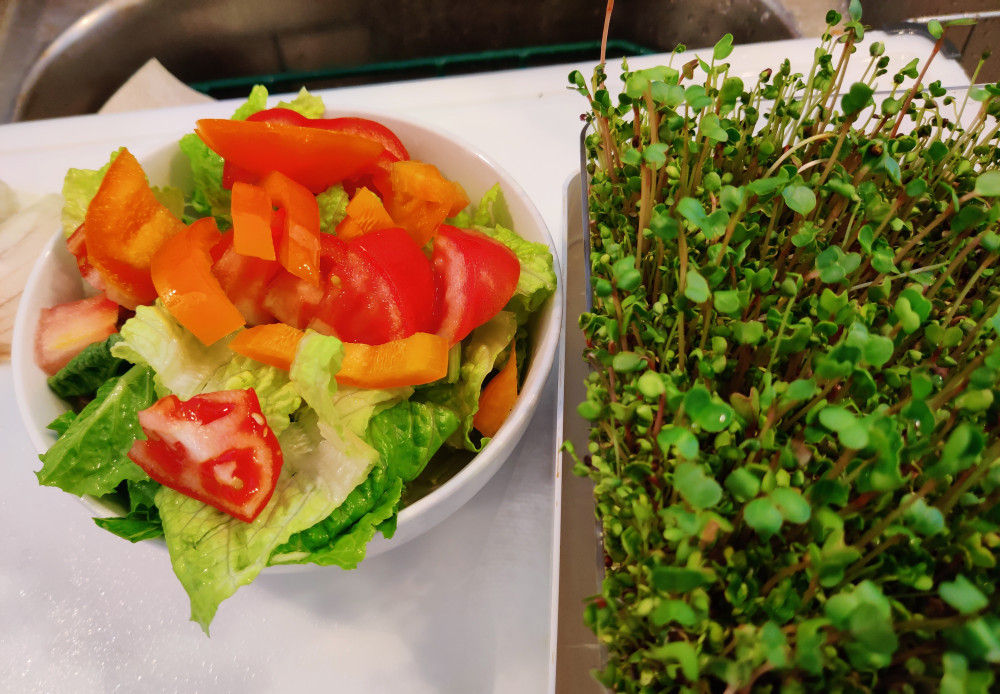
x=793, y=392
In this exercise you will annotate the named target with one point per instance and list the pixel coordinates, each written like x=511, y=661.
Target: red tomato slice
x=381, y=289
x=216, y=448
x=409, y=271
x=476, y=277
x=313, y=157
x=64, y=330
x=244, y=279
x=292, y=300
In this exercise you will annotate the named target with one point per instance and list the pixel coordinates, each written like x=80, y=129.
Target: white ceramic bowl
x=55, y=279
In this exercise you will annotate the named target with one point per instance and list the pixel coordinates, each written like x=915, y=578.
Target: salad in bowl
x=328, y=332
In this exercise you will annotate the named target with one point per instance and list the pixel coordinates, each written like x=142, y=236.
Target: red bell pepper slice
x=216, y=448
x=182, y=274
x=125, y=226
x=313, y=157
x=376, y=174
x=476, y=276
x=298, y=243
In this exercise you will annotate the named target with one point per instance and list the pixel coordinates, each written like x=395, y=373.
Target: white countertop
x=467, y=607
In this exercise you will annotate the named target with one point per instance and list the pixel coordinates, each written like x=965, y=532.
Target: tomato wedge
x=126, y=225
x=65, y=329
x=381, y=289
x=216, y=448
x=182, y=273
x=313, y=157
x=476, y=277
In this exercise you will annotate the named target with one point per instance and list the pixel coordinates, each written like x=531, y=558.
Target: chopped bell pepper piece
x=182, y=274
x=409, y=361
x=251, y=210
x=497, y=399
x=274, y=344
x=299, y=242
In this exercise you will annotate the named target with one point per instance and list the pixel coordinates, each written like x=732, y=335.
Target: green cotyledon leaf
x=91, y=455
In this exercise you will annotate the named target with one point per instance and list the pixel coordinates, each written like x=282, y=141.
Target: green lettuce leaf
x=480, y=352
x=341, y=538
x=91, y=455
x=214, y=554
x=88, y=370
x=142, y=521
x=208, y=198
x=79, y=188
x=407, y=435
x=183, y=365
x=537, y=281
x=332, y=207
x=309, y=105
x=256, y=101
x=313, y=372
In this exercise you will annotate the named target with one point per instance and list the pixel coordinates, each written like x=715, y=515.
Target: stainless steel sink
x=62, y=57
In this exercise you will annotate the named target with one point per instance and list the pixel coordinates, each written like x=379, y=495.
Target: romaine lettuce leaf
x=185, y=366
x=342, y=537
x=256, y=101
x=214, y=554
x=407, y=435
x=537, y=280
x=313, y=372
x=79, y=188
x=142, y=521
x=479, y=354
x=91, y=455
x=88, y=370
x=332, y=207
x=309, y=105
x=208, y=198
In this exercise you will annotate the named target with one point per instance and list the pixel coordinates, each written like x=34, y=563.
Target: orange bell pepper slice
x=274, y=344
x=126, y=225
x=299, y=242
x=409, y=361
x=365, y=212
x=422, y=198
x=314, y=157
x=251, y=210
x=497, y=399
x=181, y=271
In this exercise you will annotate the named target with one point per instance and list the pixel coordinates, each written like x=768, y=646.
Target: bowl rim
x=429, y=510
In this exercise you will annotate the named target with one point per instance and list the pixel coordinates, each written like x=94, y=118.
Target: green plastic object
x=416, y=68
